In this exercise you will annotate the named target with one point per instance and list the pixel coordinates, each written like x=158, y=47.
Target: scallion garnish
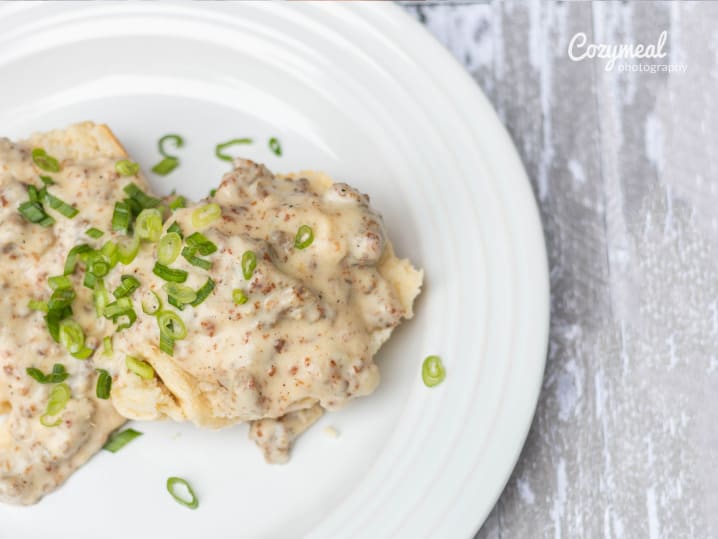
x=59, y=281
x=239, y=297
x=304, y=237
x=138, y=195
x=169, y=274
x=212, y=192
x=120, y=308
x=432, y=371
x=61, y=298
x=107, y=345
x=73, y=339
x=169, y=248
x=59, y=396
x=275, y=146
x=224, y=157
x=37, y=305
x=204, y=215
x=47, y=180
x=125, y=167
x=148, y=225
x=45, y=162
x=100, y=297
x=170, y=162
x=204, y=292
x=178, y=202
x=127, y=252
x=171, y=325
x=121, y=217
x=34, y=212
x=141, y=368
x=189, y=254
x=179, y=295
x=57, y=375
x=94, y=233
x=155, y=306
x=104, y=384
x=128, y=284
x=118, y=440
x=249, y=264
x=167, y=344
x=53, y=319
x=190, y=501
x=174, y=227
x=58, y=205
x=73, y=255
x=201, y=243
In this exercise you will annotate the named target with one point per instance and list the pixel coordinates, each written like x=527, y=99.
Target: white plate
x=364, y=93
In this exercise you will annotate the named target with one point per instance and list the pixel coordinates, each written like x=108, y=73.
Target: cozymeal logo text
x=579, y=49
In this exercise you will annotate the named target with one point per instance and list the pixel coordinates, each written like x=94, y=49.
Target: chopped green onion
x=127, y=252
x=212, y=192
x=37, y=305
x=174, y=227
x=100, y=297
x=201, y=243
x=59, y=281
x=45, y=162
x=169, y=274
x=127, y=286
x=47, y=180
x=192, y=502
x=239, y=297
x=167, y=344
x=189, y=254
x=224, y=157
x=73, y=255
x=179, y=295
x=90, y=280
x=167, y=165
x=33, y=194
x=107, y=345
x=94, y=233
x=178, y=202
x=204, y=292
x=104, y=384
x=154, y=307
x=125, y=167
x=204, y=215
x=121, y=217
x=58, y=374
x=60, y=298
x=149, y=225
x=131, y=318
x=139, y=196
x=59, y=205
x=111, y=253
x=304, y=237
x=59, y=396
x=169, y=248
x=171, y=325
x=97, y=264
x=118, y=308
x=249, y=264
x=53, y=319
x=73, y=339
x=141, y=368
x=432, y=371
x=178, y=142
x=33, y=212
x=275, y=146
x=118, y=440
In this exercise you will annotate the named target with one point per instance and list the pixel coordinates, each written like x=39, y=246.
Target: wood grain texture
x=623, y=164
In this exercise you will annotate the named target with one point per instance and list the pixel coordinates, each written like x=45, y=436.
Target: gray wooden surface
x=623, y=164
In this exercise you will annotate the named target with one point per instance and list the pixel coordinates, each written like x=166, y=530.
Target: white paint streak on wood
x=625, y=168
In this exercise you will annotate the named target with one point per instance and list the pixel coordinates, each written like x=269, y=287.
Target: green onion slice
x=224, y=157
x=239, y=297
x=37, y=305
x=73, y=339
x=176, y=139
x=138, y=195
x=125, y=167
x=61, y=298
x=212, y=192
x=174, y=227
x=432, y=371
x=178, y=202
x=200, y=242
x=59, y=281
x=127, y=252
x=249, y=264
x=167, y=165
x=94, y=233
x=104, y=384
x=100, y=297
x=149, y=225
x=59, y=396
x=189, y=254
x=107, y=345
x=53, y=319
x=275, y=146
x=121, y=217
x=169, y=248
x=76, y=252
x=304, y=237
x=58, y=374
x=45, y=162
x=169, y=274
x=204, y=292
x=190, y=501
x=167, y=344
x=59, y=205
x=34, y=212
x=47, y=180
x=204, y=215
x=152, y=306
x=141, y=368
x=118, y=440
x=128, y=284
x=179, y=295
x=171, y=325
